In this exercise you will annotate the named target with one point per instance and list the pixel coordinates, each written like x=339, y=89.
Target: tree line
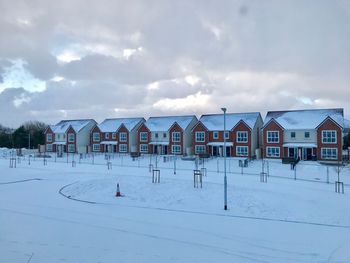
x=29, y=134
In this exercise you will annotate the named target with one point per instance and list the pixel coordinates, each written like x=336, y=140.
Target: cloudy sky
x=101, y=59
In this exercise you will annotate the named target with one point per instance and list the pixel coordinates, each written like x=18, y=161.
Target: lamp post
x=224, y=151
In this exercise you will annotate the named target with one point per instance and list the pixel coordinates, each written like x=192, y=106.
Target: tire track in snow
x=22, y=181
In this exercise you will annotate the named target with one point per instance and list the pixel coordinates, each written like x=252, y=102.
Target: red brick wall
x=49, y=131
x=200, y=127
x=272, y=126
x=329, y=125
x=143, y=128
x=121, y=129
x=71, y=130
x=96, y=129
x=241, y=127
x=175, y=128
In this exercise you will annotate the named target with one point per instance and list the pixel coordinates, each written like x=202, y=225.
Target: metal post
x=225, y=178
x=174, y=164
x=327, y=175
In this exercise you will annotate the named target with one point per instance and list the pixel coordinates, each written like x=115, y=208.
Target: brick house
x=72, y=136
x=304, y=134
x=167, y=135
x=118, y=135
x=242, y=134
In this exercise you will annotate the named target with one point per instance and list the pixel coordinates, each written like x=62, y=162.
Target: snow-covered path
x=167, y=222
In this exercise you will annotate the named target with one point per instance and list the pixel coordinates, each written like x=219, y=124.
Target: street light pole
x=224, y=151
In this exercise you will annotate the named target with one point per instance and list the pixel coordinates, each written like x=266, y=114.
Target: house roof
x=215, y=122
x=64, y=125
x=164, y=123
x=304, y=119
x=346, y=124
x=112, y=125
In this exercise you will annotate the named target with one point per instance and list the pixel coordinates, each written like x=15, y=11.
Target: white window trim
x=196, y=135
x=114, y=135
x=273, y=156
x=121, y=139
x=227, y=135
x=329, y=158
x=295, y=135
x=69, y=137
x=200, y=146
x=123, y=145
x=95, y=148
x=305, y=135
x=144, y=150
x=329, y=131
x=70, y=148
x=173, y=137
x=94, y=139
x=176, y=146
x=215, y=135
x=245, y=132
x=267, y=136
x=107, y=135
x=141, y=139
x=237, y=147
x=47, y=137
x=49, y=147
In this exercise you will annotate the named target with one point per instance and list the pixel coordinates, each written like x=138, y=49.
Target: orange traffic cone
x=117, y=194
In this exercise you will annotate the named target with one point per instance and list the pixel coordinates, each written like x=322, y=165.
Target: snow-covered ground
x=59, y=213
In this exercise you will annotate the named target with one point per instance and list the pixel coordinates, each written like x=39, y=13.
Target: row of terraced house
x=305, y=134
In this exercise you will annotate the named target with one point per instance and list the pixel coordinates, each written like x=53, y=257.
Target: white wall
x=83, y=137
x=299, y=136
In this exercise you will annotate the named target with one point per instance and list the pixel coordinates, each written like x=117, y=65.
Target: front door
x=228, y=151
x=215, y=151
x=291, y=152
x=309, y=154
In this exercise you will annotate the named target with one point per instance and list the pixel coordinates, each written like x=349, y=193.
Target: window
x=164, y=135
x=176, y=136
x=307, y=135
x=227, y=135
x=242, y=136
x=122, y=148
x=329, y=137
x=49, y=137
x=216, y=135
x=200, y=136
x=292, y=135
x=49, y=147
x=71, y=148
x=156, y=135
x=273, y=136
x=273, y=152
x=58, y=136
x=96, y=137
x=199, y=149
x=70, y=137
x=329, y=153
x=96, y=147
x=114, y=135
x=123, y=137
x=107, y=135
x=144, y=148
x=176, y=149
x=242, y=150
x=143, y=136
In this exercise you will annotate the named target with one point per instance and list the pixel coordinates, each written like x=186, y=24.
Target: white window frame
x=107, y=135
x=143, y=134
x=71, y=148
x=49, y=137
x=96, y=137
x=324, y=137
x=277, y=153
x=164, y=135
x=215, y=135
x=123, y=148
x=197, y=147
x=227, y=135
x=327, y=153
x=240, y=138
x=96, y=147
x=293, y=132
x=239, y=151
x=176, y=136
x=200, y=136
x=269, y=137
x=114, y=135
x=70, y=136
x=305, y=135
x=176, y=149
x=49, y=147
x=123, y=137
x=143, y=148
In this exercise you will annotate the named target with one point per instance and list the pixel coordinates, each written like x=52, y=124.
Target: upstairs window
x=292, y=135
x=329, y=137
x=70, y=137
x=143, y=136
x=96, y=137
x=122, y=137
x=200, y=137
x=307, y=135
x=216, y=135
x=175, y=136
x=273, y=136
x=242, y=136
x=49, y=137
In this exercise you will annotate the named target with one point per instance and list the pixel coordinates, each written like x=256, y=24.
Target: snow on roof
x=112, y=125
x=304, y=119
x=164, y=123
x=63, y=125
x=346, y=124
x=215, y=122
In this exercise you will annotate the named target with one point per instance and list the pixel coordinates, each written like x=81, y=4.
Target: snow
x=112, y=125
x=300, y=144
x=64, y=125
x=155, y=124
x=215, y=122
x=109, y=142
x=220, y=144
x=304, y=119
x=60, y=213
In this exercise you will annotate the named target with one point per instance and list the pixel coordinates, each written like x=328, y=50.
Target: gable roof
x=215, y=122
x=112, y=125
x=164, y=123
x=76, y=125
x=304, y=119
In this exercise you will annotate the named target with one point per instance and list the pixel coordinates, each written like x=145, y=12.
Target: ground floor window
x=242, y=150
x=96, y=147
x=273, y=152
x=200, y=149
x=71, y=148
x=49, y=147
x=176, y=149
x=329, y=153
x=144, y=148
x=122, y=148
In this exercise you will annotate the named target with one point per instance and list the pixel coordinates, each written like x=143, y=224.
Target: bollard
x=204, y=171
x=109, y=165
x=197, y=179
x=263, y=177
x=150, y=168
x=339, y=187
x=73, y=163
x=156, y=176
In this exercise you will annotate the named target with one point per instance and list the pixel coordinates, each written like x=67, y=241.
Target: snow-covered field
x=60, y=213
